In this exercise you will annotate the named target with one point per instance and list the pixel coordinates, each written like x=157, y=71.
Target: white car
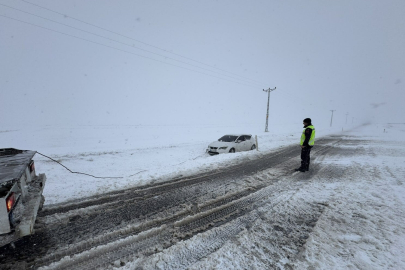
x=232, y=144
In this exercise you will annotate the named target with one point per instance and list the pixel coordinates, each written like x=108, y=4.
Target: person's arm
x=308, y=133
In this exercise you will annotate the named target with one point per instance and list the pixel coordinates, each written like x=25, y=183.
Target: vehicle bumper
x=217, y=151
x=31, y=206
x=26, y=211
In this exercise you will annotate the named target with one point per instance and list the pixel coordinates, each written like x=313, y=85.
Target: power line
x=147, y=44
x=77, y=172
x=111, y=47
x=123, y=43
x=289, y=96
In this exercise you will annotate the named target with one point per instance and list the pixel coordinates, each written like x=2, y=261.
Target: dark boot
x=300, y=169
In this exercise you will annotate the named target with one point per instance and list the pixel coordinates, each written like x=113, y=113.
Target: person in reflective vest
x=306, y=143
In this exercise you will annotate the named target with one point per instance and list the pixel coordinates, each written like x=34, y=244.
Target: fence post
x=257, y=143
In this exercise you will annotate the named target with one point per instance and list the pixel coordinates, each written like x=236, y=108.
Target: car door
x=242, y=143
x=249, y=142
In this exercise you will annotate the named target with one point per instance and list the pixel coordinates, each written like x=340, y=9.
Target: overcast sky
x=201, y=62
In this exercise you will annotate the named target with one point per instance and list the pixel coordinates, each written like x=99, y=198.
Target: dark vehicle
x=20, y=194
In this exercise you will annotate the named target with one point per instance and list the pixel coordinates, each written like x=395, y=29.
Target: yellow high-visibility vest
x=311, y=141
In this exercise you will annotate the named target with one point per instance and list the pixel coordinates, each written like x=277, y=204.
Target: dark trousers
x=305, y=157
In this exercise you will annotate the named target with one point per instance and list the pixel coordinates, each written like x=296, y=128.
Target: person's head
x=307, y=121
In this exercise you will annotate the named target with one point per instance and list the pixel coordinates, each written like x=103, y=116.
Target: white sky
x=321, y=55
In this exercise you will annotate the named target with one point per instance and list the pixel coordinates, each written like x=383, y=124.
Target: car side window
x=242, y=138
x=248, y=137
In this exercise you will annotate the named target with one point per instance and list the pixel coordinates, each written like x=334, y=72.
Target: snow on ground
x=138, y=154
x=362, y=226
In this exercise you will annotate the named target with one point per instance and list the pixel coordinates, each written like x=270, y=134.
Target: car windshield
x=228, y=138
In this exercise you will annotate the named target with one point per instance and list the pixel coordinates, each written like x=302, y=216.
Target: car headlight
x=223, y=148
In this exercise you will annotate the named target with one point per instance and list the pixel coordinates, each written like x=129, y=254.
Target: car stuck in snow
x=20, y=194
x=232, y=144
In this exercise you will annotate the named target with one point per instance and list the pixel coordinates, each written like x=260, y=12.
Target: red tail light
x=32, y=166
x=10, y=201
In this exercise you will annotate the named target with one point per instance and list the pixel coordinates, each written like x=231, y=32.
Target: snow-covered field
x=356, y=198
x=137, y=154
x=361, y=227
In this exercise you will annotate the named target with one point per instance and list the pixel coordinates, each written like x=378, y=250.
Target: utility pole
x=346, y=117
x=331, y=117
x=268, y=104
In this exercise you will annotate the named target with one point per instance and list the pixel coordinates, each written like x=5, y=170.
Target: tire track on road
x=105, y=224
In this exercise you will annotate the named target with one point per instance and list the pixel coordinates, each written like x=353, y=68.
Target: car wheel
x=232, y=150
x=253, y=147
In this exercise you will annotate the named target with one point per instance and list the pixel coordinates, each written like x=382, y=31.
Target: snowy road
x=347, y=212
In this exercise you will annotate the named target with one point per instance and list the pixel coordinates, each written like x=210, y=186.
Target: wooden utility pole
x=331, y=118
x=268, y=104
